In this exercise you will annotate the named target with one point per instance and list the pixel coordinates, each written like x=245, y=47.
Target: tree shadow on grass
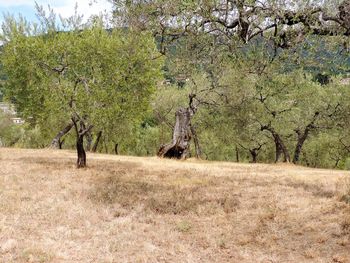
x=161, y=198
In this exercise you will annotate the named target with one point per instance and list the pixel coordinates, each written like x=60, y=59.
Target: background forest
x=266, y=81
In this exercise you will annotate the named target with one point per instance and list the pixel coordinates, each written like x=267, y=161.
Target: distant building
x=10, y=110
x=17, y=120
x=345, y=81
x=7, y=108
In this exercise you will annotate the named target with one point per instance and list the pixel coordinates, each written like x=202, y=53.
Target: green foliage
x=251, y=88
x=104, y=77
x=31, y=137
x=9, y=132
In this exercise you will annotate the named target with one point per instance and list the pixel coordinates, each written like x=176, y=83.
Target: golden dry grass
x=129, y=209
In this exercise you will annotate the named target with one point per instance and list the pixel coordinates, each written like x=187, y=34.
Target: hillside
x=129, y=209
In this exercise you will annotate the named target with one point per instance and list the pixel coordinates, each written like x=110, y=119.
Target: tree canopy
x=90, y=76
x=247, y=80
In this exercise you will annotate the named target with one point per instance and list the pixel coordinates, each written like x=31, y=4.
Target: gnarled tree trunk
x=81, y=162
x=237, y=154
x=254, y=155
x=282, y=153
x=301, y=139
x=56, y=141
x=94, y=147
x=302, y=136
x=281, y=149
x=179, y=147
x=61, y=142
x=80, y=133
x=254, y=152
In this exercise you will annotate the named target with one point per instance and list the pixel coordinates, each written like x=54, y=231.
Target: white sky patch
x=85, y=8
x=65, y=8
x=9, y=3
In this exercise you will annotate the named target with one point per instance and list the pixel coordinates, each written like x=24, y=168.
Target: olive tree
x=214, y=29
x=88, y=77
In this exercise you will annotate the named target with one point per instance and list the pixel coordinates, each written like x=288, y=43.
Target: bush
x=9, y=132
x=31, y=138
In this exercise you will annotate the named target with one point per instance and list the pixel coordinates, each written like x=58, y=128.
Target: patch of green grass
x=36, y=255
x=184, y=226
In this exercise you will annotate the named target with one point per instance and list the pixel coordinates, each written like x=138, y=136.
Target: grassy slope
x=128, y=209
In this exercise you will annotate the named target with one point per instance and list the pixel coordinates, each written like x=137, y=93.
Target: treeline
x=212, y=88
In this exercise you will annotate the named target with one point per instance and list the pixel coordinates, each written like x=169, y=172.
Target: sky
x=62, y=7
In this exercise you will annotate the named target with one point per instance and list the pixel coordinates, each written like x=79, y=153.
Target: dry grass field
x=130, y=209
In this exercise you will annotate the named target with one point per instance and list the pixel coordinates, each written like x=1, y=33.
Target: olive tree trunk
x=61, y=142
x=301, y=139
x=254, y=155
x=80, y=133
x=56, y=141
x=97, y=141
x=179, y=147
x=254, y=152
x=116, y=151
x=282, y=153
x=302, y=136
x=81, y=162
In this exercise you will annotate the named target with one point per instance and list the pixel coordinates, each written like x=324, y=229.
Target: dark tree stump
x=179, y=148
